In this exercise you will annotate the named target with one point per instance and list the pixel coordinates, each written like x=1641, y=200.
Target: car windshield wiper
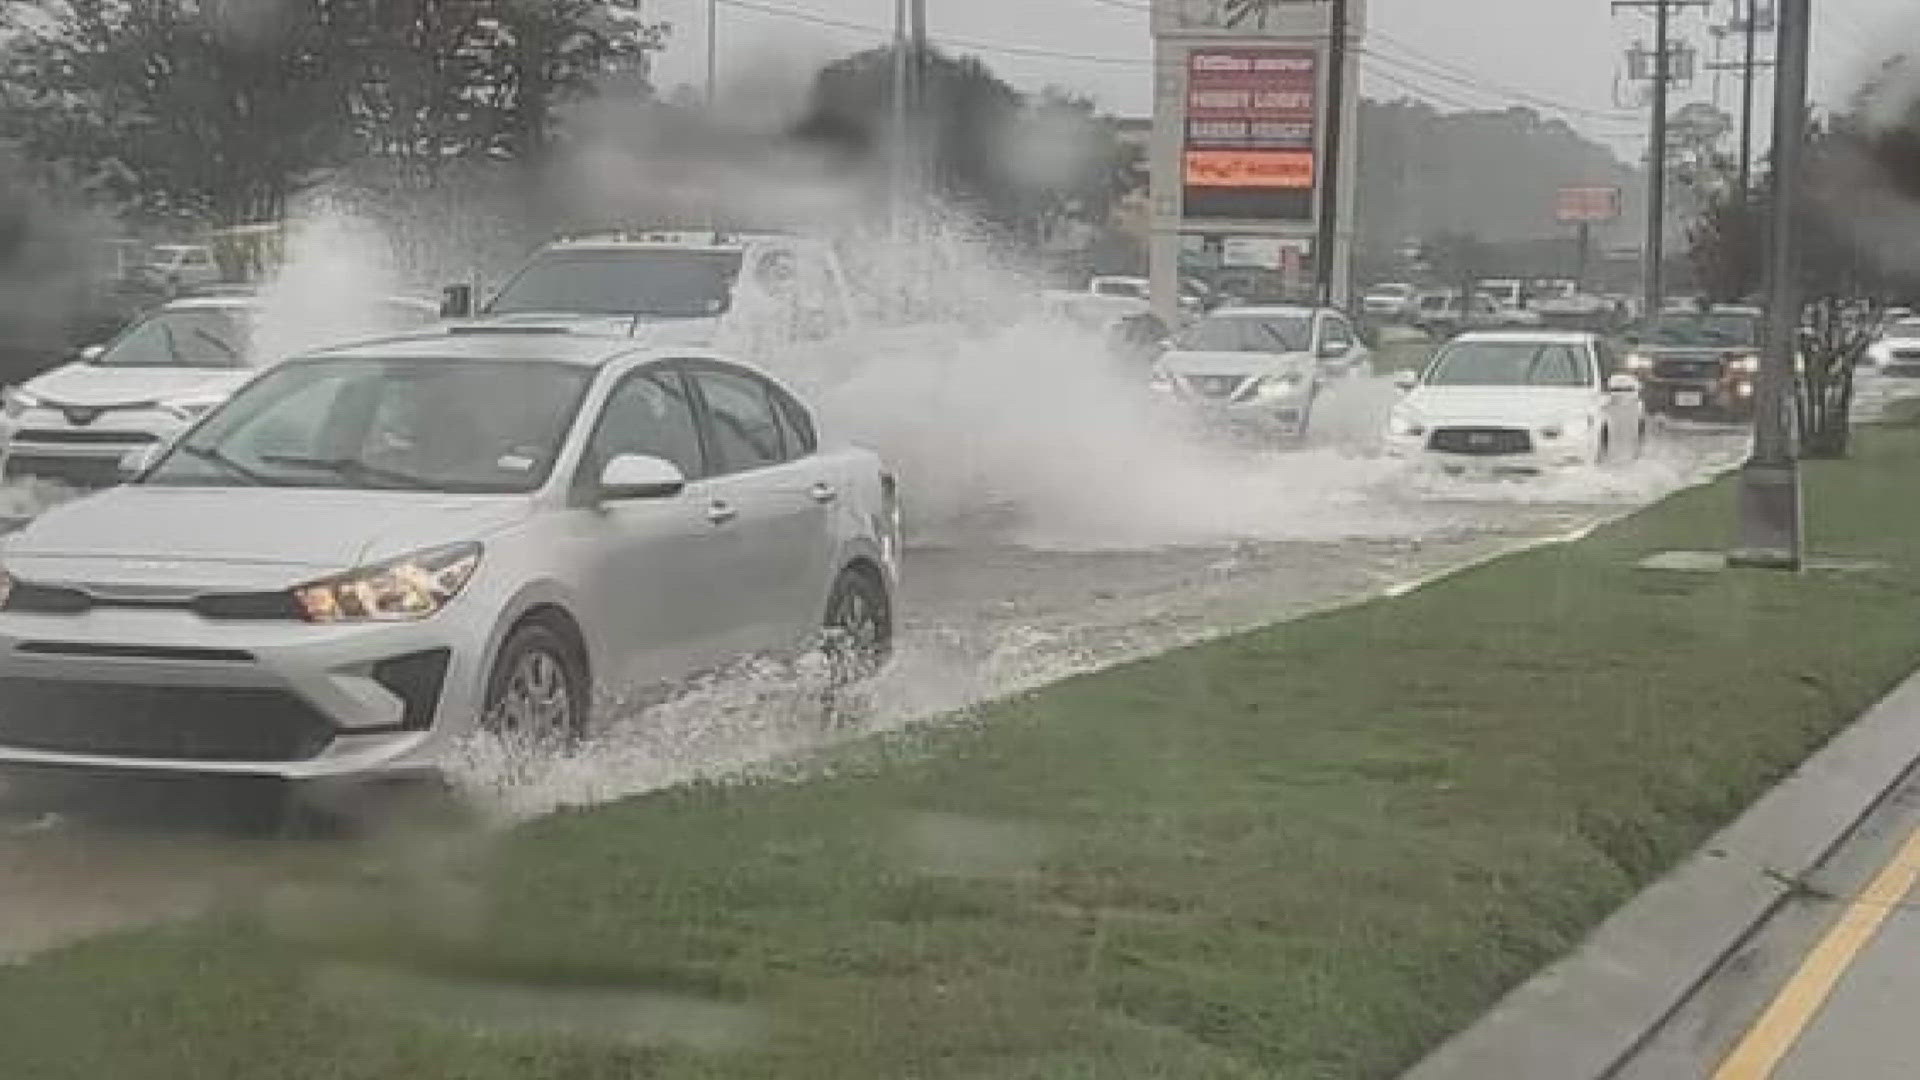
x=355, y=469
x=214, y=455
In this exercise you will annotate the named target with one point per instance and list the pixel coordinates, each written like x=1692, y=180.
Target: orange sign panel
x=1290, y=169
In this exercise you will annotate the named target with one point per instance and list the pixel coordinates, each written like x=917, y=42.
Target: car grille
x=1480, y=441
x=1903, y=370
x=86, y=437
x=80, y=472
x=179, y=723
x=1214, y=386
x=1695, y=370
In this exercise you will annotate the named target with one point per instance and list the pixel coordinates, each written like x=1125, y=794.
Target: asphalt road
x=1005, y=599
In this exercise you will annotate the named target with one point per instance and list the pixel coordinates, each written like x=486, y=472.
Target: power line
x=818, y=19
x=1445, y=72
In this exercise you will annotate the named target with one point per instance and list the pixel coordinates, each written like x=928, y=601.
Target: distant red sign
x=1253, y=115
x=1577, y=204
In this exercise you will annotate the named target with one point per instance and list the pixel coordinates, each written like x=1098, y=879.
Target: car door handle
x=823, y=493
x=720, y=513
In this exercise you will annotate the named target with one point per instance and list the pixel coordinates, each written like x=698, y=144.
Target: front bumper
x=53, y=444
x=1260, y=418
x=170, y=691
x=1545, y=457
x=1730, y=398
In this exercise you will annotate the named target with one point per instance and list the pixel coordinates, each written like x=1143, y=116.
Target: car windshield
x=1509, y=363
x=1707, y=329
x=1247, y=333
x=188, y=337
x=424, y=425
x=664, y=283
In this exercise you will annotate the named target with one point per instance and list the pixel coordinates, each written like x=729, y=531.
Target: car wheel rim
x=537, y=700
x=856, y=632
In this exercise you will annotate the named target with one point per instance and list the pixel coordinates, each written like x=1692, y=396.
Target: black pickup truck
x=1699, y=364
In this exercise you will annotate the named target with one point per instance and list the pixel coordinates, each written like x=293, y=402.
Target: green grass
x=1310, y=851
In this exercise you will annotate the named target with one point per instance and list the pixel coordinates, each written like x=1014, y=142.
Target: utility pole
x=1749, y=68
x=1770, y=531
x=1663, y=76
x=919, y=98
x=901, y=132
x=713, y=48
x=1328, y=236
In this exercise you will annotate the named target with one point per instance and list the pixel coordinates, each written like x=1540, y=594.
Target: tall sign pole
x=1328, y=237
x=1771, y=533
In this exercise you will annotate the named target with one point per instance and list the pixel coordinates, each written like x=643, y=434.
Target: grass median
x=1312, y=850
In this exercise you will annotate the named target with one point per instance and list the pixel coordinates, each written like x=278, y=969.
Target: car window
x=648, y=413
x=662, y=282
x=1247, y=333
x=741, y=428
x=402, y=424
x=1508, y=363
x=796, y=426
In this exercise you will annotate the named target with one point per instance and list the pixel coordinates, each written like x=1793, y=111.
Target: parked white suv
x=370, y=550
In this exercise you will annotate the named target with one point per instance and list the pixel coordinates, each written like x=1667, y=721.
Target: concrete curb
x=1585, y=1016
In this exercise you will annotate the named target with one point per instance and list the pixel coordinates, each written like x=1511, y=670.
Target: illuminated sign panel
x=1252, y=120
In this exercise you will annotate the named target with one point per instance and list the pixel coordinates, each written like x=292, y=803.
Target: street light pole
x=1771, y=534
x=713, y=48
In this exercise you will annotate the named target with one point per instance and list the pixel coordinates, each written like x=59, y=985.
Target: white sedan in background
x=1517, y=403
x=1259, y=369
x=368, y=551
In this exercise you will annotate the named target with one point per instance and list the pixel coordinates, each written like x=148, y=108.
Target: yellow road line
x=1768, y=1041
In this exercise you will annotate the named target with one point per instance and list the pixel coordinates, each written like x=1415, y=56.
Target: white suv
x=369, y=550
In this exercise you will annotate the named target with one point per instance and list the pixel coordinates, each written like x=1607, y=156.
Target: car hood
x=1899, y=342
x=87, y=384
x=1497, y=405
x=243, y=538
x=644, y=329
x=1241, y=364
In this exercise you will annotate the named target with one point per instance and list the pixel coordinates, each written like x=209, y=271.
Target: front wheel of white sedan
x=857, y=634
x=537, y=693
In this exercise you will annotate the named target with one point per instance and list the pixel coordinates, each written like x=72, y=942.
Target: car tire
x=856, y=632
x=537, y=693
x=1603, y=449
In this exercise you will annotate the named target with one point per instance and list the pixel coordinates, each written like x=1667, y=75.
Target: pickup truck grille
x=1687, y=370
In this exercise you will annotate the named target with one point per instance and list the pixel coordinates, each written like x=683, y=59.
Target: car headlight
x=1639, y=362
x=1277, y=387
x=410, y=587
x=1879, y=353
x=189, y=408
x=15, y=401
x=1400, y=422
x=1746, y=365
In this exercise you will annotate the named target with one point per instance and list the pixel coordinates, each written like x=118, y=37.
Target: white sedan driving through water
x=1517, y=404
x=369, y=550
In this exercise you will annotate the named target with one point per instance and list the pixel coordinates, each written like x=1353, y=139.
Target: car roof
x=1543, y=337
x=492, y=343
x=243, y=298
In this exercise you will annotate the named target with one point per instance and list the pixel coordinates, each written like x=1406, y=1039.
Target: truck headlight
x=1637, y=362
x=1746, y=365
x=15, y=401
x=410, y=587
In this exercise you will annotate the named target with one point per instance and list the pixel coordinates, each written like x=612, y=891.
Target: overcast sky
x=1563, y=54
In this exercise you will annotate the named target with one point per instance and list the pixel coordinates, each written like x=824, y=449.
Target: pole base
x=1771, y=535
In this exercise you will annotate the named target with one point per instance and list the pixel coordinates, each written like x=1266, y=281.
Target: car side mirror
x=1623, y=383
x=1406, y=379
x=640, y=476
x=456, y=302
x=91, y=353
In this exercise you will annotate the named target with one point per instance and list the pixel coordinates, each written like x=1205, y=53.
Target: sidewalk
x=1827, y=988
